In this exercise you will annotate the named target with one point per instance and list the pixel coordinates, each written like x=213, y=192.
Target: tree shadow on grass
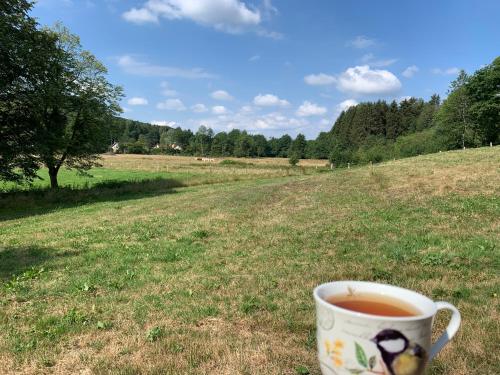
x=25, y=262
x=18, y=204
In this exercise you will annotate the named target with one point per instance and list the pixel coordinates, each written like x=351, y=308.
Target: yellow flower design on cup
x=334, y=351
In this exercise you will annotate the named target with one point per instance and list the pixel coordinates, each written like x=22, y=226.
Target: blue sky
x=276, y=66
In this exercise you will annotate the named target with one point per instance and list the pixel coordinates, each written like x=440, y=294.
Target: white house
x=115, y=147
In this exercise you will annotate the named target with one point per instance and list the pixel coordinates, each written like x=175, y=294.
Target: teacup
x=351, y=342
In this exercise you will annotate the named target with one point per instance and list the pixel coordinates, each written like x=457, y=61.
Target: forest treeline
x=367, y=132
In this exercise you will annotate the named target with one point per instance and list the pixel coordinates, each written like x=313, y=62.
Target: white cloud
x=137, y=101
x=232, y=16
x=346, y=104
x=410, y=71
x=139, y=16
x=164, y=123
x=221, y=95
x=269, y=8
x=310, y=109
x=254, y=58
x=370, y=59
x=219, y=110
x=361, y=42
x=403, y=98
x=269, y=34
x=320, y=79
x=199, y=108
x=269, y=100
x=172, y=105
x=447, y=71
x=365, y=81
x=132, y=66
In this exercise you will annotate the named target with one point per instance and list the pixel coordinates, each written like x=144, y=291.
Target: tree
x=298, y=147
x=219, y=144
x=244, y=145
x=425, y=119
x=293, y=159
x=203, y=140
x=454, y=118
x=393, y=121
x=483, y=89
x=261, y=145
x=25, y=53
x=284, y=143
x=75, y=106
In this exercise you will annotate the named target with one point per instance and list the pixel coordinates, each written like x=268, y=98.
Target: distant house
x=115, y=147
x=175, y=147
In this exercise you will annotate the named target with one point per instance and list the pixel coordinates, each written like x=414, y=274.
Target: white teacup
x=350, y=342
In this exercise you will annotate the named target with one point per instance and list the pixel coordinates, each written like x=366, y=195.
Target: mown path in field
x=218, y=278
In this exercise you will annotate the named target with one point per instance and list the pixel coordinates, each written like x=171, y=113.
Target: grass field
x=183, y=267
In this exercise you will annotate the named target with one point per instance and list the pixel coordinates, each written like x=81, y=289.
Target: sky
x=276, y=66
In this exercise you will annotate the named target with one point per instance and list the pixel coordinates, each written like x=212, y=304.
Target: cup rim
x=328, y=305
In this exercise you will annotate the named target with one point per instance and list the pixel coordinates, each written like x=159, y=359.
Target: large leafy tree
x=55, y=101
x=25, y=62
x=75, y=106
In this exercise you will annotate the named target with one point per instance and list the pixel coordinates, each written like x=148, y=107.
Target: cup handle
x=450, y=331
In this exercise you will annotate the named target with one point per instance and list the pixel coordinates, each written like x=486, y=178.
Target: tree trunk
x=53, y=177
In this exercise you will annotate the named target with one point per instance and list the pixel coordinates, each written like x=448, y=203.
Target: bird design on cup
x=400, y=355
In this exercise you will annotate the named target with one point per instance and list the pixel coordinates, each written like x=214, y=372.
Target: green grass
x=216, y=277
x=72, y=179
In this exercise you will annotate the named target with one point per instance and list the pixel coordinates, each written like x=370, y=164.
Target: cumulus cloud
x=232, y=16
x=131, y=65
x=410, y=71
x=269, y=100
x=219, y=110
x=199, y=108
x=221, y=95
x=361, y=42
x=164, y=123
x=137, y=101
x=447, y=71
x=363, y=80
x=310, y=109
x=139, y=16
x=345, y=105
x=320, y=79
x=172, y=105
x=404, y=98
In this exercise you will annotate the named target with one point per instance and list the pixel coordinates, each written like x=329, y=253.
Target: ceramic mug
x=350, y=342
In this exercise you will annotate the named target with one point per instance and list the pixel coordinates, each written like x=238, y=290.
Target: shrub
x=424, y=142
x=293, y=159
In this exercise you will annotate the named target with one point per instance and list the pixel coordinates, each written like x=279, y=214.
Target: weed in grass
x=302, y=370
x=250, y=304
x=154, y=334
x=436, y=259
